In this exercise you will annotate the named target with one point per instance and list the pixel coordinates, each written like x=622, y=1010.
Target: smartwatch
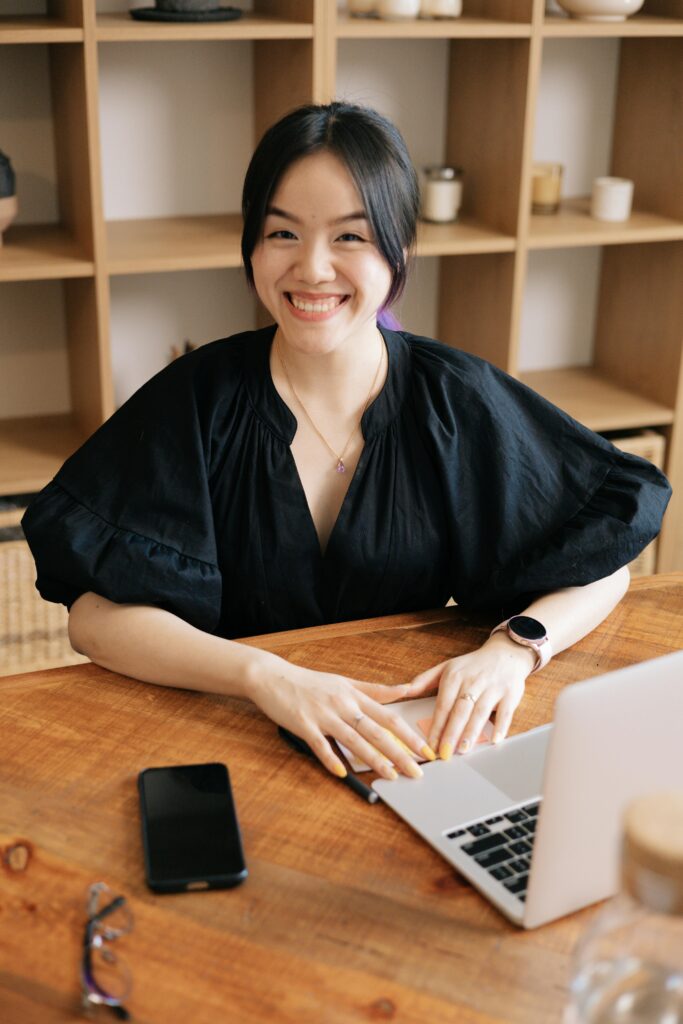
x=529, y=633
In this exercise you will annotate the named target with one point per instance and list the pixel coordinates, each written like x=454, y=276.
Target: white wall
x=175, y=123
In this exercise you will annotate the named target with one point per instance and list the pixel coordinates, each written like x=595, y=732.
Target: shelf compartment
x=40, y=252
x=156, y=244
x=557, y=27
x=427, y=28
x=149, y=245
x=120, y=28
x=32, y=448
x=594, y=400
x=573, y=226
x=36, y=29
x=465, y=235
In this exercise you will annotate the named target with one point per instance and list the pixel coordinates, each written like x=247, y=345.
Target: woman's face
x=317, y=268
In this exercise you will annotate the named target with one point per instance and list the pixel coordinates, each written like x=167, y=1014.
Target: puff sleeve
x=129, y=515
x=536, y=501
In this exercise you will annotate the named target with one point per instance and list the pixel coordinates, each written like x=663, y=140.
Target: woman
x=327, y=468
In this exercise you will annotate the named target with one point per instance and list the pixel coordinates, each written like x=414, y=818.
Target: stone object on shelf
x=185, y=10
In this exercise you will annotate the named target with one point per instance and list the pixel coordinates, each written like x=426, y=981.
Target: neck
x=333, y=374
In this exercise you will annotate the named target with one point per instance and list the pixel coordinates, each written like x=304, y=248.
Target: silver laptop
x=535, y=822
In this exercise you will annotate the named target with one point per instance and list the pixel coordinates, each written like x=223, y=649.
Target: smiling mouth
x=322, y=305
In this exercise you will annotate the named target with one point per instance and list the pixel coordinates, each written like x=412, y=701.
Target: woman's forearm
x=156, y=646
x=570, y=614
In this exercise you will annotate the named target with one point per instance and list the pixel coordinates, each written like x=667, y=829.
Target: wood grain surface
x=346, y=915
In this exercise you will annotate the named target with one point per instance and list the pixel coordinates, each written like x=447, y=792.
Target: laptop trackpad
x=516, y=766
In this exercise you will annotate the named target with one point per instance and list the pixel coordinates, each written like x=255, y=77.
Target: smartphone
x=190, y=833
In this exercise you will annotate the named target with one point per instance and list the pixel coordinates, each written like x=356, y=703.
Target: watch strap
x=542, y=648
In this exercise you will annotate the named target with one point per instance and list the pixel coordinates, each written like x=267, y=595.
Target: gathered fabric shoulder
x=129, y=515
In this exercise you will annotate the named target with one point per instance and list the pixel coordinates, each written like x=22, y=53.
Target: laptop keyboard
x=502, y=845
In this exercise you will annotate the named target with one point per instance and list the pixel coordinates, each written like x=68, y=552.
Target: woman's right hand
x=317, y=705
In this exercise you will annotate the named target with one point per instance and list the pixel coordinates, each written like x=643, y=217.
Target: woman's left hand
x=471, y=687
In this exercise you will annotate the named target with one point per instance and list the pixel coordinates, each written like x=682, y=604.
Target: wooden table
x=346, y=914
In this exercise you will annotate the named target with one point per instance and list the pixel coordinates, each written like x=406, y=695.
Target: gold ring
x=467, y=696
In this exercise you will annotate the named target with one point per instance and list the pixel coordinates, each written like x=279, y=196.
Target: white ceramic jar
x=398, y=10
x=441, y=8
x=612, y=199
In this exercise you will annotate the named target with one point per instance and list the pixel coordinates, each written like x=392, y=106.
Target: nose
x=315, y=263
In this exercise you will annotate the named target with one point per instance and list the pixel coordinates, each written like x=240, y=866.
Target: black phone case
x=192, y=883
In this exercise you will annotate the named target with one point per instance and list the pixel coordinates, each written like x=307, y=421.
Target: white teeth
x=314, y=307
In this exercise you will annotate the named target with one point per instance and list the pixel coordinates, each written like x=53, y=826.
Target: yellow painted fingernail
x=415, y=770
x=340, y=771
x=428, y=753
x=446, y=751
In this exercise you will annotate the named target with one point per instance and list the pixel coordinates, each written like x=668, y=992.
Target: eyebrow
x=275, y=211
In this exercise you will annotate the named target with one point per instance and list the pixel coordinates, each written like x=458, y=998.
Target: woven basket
x=650, y=445
x=33, y=632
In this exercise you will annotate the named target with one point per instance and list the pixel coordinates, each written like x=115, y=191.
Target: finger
x=504, y=713
x=456, y=723
x=396, y=740
x=371, y=755
x=397, y=727
x=427, y=680
x=448, y=692
x=323, y=750
x=479, y=716
x=382, y=692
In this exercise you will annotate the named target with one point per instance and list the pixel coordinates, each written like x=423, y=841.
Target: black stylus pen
x=349, y=780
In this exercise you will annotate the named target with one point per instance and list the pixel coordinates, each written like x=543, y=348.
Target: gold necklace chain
x=340, y=467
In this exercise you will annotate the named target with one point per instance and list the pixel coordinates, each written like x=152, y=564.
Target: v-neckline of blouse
x=279, y=418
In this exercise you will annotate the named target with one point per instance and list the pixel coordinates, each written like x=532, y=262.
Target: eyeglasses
x=105, y=979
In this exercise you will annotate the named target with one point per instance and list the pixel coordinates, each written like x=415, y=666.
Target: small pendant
x=341, y=468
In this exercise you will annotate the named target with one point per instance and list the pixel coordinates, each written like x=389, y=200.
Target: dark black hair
x=375, y=154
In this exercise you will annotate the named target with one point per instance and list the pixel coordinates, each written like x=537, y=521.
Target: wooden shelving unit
x=495, y=55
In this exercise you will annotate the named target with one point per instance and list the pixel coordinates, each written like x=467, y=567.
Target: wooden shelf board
x=32, y=448
x=461, y=237
x=556, y=26
x=573, y=226
x=173, y=243
x=428, y=28
x=17, y=29
x=121, y=28
x=36, y=252
x=596, y=401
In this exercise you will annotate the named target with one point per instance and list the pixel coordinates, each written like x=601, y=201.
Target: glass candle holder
x=441, y=194
x=546, y=188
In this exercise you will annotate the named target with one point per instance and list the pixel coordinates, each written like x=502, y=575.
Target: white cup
x=611, y=199
x=398, y=10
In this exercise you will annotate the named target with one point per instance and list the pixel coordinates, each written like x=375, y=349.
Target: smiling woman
x=327, y=468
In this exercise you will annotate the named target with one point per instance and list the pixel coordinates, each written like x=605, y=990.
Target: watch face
x=525, y=626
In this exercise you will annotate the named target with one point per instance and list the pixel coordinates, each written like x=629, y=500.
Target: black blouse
x=469, y=485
